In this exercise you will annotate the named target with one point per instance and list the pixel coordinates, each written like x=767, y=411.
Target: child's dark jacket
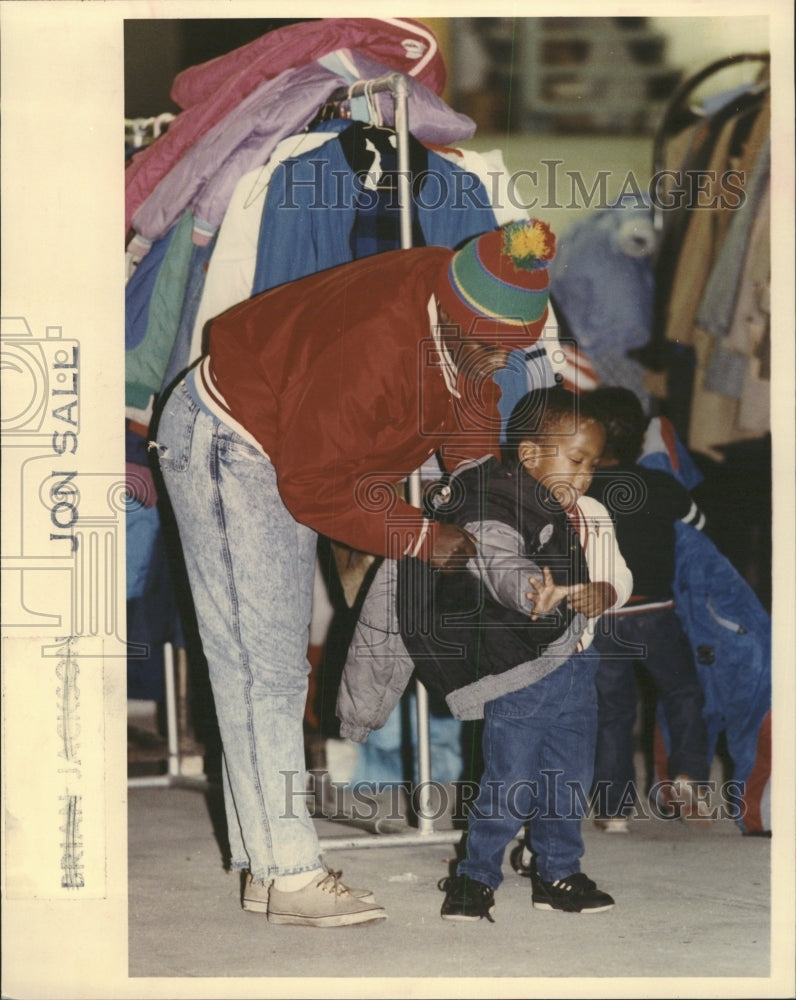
x=480, y=623
x=468, y=634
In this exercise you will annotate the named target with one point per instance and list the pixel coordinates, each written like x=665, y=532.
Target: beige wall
x=695, y=42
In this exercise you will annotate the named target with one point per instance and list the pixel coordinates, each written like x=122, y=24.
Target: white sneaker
x=693, y=806
x=612, y=824
x=325, y=902
x=254, y=896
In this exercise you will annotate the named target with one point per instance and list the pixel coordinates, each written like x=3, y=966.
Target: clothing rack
x=684, y=113
x=676, y=115
x=395, y=84
x=140, y=132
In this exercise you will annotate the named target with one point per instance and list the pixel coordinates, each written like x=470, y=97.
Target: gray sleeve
x=378, y=666
x=501, y=564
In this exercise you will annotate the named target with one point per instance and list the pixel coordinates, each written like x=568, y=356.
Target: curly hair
x=544, y=411
x=619, y=410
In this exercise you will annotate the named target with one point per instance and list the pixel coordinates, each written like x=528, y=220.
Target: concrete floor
x=690, y=903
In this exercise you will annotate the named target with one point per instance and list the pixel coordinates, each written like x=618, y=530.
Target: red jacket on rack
x=339, y=379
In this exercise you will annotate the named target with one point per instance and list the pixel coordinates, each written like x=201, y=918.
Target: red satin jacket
x=339, y=378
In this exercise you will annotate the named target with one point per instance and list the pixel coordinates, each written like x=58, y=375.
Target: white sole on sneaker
x=328, y=920
x=255, y=906
x=558, y=909
x=261, y=906
x=612, y=825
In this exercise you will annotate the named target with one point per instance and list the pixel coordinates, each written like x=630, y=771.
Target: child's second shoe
x=573, y=894
x=466, y=899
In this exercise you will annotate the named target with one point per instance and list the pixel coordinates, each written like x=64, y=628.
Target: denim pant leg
x=670, y=663
x=566, y=769
x=617, y=699
x=251, y=569
x=535, y=740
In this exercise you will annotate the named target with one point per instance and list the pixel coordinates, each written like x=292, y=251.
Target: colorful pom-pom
x=530, y=244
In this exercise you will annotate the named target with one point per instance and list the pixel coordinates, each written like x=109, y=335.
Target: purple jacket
x=205, y=178
x=248, y=134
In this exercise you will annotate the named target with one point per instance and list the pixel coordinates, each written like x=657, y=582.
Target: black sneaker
x=466, y=899
x=572, y=894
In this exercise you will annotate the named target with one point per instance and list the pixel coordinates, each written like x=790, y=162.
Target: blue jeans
x=538, y=762
x=251, y=570
x=657, y=640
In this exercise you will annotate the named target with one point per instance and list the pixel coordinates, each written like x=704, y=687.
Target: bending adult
x=315, y=401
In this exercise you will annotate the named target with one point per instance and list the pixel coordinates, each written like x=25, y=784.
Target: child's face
x=565, y=462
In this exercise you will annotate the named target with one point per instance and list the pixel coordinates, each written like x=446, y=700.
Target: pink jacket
x=205, y=177
x=209, y=91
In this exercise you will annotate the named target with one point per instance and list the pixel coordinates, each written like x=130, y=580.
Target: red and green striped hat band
x=483, y=283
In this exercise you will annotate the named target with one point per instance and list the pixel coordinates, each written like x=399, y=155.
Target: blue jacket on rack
x=730, y=634
x=318, y=207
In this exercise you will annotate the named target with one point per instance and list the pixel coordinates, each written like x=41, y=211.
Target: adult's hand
x=453, y=546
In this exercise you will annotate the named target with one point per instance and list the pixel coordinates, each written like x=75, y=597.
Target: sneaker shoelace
x=331, y=883
x=454, y=882
x=579, y=882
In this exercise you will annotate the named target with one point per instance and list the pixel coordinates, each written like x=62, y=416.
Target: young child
x=645, y=505
x=531, y=521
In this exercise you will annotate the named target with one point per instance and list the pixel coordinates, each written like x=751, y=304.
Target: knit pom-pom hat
x=497, y=284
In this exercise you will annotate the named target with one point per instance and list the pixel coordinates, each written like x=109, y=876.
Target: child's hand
x=591, y=599
x=545, y=595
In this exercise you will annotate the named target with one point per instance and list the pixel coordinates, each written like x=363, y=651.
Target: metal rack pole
x=400, y=96
x=174, y=775
x=425, y=833
x=674, y=110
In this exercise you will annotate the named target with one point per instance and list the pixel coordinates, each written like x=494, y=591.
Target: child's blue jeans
x=538, y=763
